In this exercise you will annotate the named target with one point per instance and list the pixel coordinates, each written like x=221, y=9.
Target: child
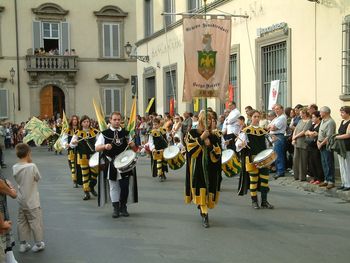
x=29, y=218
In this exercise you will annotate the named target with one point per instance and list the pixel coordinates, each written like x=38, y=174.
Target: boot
x=205, y=220
x=86, y=196
x=255, y=203
x=266, y=205
x=115, y=209
x=93, y=192
x=123, y=210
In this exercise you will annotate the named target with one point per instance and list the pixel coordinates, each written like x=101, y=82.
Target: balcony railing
x=52, y=63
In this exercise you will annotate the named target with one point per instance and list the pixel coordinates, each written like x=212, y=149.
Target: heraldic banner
x=207, y=45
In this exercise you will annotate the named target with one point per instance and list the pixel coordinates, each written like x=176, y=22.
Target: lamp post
x=12, y=75
x=128, y=49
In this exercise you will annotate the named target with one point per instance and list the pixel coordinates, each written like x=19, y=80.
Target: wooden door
x=46, y=101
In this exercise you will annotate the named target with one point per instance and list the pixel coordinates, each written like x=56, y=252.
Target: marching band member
x=203, y=175
x=157, y=143
x=72, y=156
x=252, y=141
x=84, y=139
x=113, y=142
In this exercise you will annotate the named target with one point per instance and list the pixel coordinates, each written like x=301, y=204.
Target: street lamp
x=12, y=74
x=128, y=49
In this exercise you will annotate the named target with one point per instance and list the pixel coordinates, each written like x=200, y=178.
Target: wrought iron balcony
x=52, y=63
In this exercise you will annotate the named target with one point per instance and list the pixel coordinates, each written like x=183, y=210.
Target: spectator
x=186, y=124
x=277, y=129
x=300, y=147
x=263, y=121
x=327, y=129
x=176, y=130
x=312, y=108
x=194, y=121
x=29, y=218
x=66, y=53
x=314, y=155
x=344, y=160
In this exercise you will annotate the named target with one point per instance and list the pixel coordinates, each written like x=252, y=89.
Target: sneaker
x=38, y=247
x=24, y=247
x=323, y=184
x=330, y=186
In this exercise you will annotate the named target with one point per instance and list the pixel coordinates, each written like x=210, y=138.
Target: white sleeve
x=74, y=138
x=241, y=140
x=64, y=140
x=151, y=143
x=100, y=140
x=233, y=116
x=223, y=145
x=37, y=175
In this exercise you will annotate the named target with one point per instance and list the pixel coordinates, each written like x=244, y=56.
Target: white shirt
x=280, y=123
x=231, y=122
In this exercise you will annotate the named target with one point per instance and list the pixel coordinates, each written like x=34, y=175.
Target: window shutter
x=36, y=35
x=65, y=37
x=115, y=42
x=4, y=104
x=106, y=41
x=108, y=101
x=117, y=100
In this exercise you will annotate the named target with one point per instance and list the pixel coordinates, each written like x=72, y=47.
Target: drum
x=93, y=161
x=264, y=158
x=230, y=163
x=174, y=157
x=126, y=161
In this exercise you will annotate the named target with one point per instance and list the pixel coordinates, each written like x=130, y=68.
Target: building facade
x=304, y=44
x=59, y=56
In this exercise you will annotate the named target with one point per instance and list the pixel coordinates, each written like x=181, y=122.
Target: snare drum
x=125, y=162
x=174, y=157
x=264, y=158
x=230, y=163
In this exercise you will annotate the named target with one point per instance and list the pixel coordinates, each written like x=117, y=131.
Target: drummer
x=203, y=178
x=157, y=143
x=252, y=141
x=84, y=140
x=72, y=157
x=113, y=142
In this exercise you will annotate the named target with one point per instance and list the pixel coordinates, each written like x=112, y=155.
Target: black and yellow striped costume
x=259, y=178
x=203, y=178
x=72, y=157
x=158, y=164
x=85, y=148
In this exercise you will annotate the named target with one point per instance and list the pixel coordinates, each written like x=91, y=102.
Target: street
x=303, y=227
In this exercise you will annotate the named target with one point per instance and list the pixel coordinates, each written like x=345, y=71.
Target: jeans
x=279, y=147
x=327, y=160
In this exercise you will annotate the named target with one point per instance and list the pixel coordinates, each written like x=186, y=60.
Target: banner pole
x=205, y=99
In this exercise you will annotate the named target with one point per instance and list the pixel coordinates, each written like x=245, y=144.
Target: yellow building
x=82, y=57
x=305, y=44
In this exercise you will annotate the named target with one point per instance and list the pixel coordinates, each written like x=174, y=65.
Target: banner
x=273, y=93
x=132, y=119
x=149, y=105
x=100, y=116
x=207, y=55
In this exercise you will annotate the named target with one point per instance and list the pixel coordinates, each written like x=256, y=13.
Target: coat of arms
x=206, y=58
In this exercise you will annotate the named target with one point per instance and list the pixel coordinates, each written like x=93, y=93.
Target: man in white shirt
x=231, y=126
x=277, y=129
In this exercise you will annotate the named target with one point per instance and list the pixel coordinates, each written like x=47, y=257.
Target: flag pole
x=205, y=99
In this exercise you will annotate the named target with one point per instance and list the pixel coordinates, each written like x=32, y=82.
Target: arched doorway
x=52, y=101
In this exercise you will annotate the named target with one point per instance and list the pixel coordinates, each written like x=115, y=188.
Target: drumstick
x=237, y=137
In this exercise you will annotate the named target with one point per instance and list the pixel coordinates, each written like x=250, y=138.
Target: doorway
x=52, y=102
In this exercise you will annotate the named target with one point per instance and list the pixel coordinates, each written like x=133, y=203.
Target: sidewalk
x=289, y=180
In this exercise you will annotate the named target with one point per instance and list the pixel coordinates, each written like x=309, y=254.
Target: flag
x=58, y=145
x=38, y=131
x=100, y=116
x=172, y=107
x=230, y=95
x=149, y=105
x=196, y=105
x=207, y=54
x=132, y=120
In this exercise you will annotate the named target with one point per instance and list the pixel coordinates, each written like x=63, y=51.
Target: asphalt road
x=303, y=227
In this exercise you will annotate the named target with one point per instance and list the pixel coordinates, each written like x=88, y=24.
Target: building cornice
x=112, y=78
x=210, y=7
x=111, y=11
x=50, y=9
x=2, y=80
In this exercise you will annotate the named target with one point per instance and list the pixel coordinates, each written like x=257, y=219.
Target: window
x=111, y=40
x=169, y=7
x=4, y=100
x=148, y=18
x=346, y=57
x=170, y=89
x=193, y=5
x=274, y=67
x=112, y=100
x=51, y=36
